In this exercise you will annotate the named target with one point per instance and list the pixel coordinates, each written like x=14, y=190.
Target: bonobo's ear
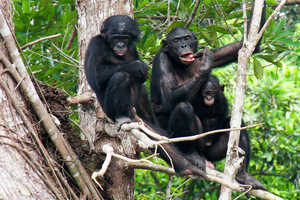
x=165, y=45
x=222, y=87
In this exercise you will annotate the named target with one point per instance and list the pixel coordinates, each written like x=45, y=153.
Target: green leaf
x=258, y=69
x=26, y=7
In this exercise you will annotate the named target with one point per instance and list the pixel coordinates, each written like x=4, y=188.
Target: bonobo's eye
x=126, y=40
x=210, y=93
x=176, y=40
x=188, y=37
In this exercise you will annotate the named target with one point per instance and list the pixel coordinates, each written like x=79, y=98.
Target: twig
x=72, y=37
x=165, y=140
x=196, y=137
x=52, y=59
x=39, y=40
x=169, y=187
x=276, y=11
x=82, y=98
x=65, y=55
x=188, y=23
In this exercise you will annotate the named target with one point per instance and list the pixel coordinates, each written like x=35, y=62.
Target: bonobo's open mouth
x=187, y=57
x=209, y=101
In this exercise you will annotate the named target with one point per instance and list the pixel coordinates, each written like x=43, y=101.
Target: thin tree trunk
x=21, y=172
x=120, y=181
x=245, y=53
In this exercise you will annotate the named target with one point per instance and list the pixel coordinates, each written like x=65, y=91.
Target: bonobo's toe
x=122, y=120
x=248, y=179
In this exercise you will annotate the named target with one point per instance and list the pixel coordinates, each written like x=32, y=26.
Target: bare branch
x=82, y=98
x=188, y=23
x=276, y=11
x=39, y=40
x=291, y=2
x=212, y=175
x=73, y=35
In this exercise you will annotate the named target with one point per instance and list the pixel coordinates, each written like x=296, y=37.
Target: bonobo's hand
x=136, y=69
x=202, y=64
x=206, y=60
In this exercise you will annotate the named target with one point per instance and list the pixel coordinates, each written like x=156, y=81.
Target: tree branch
x=39, y=40
x=212, y=175
x=188, y=23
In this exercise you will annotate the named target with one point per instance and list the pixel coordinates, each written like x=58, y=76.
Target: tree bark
x=119, y=184
x=250, y=41
x=21, y=171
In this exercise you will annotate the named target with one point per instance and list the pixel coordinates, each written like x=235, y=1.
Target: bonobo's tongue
x=187, y=57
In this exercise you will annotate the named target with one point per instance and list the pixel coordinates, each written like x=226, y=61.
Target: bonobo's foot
x=122, y=120
x=197, y=160
x=247, y=179
x=209, y=164
x=191, y=170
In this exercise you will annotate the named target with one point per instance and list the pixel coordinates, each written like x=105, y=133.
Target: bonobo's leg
x=117, y=98
x=218, y=149
x=184, y=122
x=181, y=165
x=142, y=104
x=172, y=155
x=243, y=175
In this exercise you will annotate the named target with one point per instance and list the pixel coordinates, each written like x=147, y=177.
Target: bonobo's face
x=211, y=90
x=120, y=31
x=181, y=44
x=119, y=44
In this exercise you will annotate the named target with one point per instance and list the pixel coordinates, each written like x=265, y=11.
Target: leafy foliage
x=36, y=19
x=273, y=94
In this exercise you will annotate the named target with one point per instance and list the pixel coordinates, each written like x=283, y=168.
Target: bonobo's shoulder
x=96, y=40
x=160, y=56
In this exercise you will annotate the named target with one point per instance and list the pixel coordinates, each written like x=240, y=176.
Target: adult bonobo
x=115, y=72
x=177, y=77
x=178, y=74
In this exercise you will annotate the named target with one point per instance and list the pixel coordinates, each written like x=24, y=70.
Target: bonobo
x=212, y=109
x=178, y=75
x=116, y=74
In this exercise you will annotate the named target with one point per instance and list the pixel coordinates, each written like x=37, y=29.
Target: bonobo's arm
x=99, y=67
x=229, y=53
x=200, y=69
x=226, y=54
x=137, y=69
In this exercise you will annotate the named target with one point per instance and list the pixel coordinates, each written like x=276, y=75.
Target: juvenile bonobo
x=178, y=75
x=115, y=72
x=212, y=108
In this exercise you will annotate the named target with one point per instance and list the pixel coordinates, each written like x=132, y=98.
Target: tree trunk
x=119, y=184
x=21, y=171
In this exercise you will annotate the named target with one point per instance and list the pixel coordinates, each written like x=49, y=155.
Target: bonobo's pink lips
x=120, y=52
x=187, y=57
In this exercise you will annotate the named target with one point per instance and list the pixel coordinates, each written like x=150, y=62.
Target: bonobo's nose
x=120, y=45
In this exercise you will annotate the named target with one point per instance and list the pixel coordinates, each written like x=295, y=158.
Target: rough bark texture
x=19, y=180
x=237, y=108
x=118, y=182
